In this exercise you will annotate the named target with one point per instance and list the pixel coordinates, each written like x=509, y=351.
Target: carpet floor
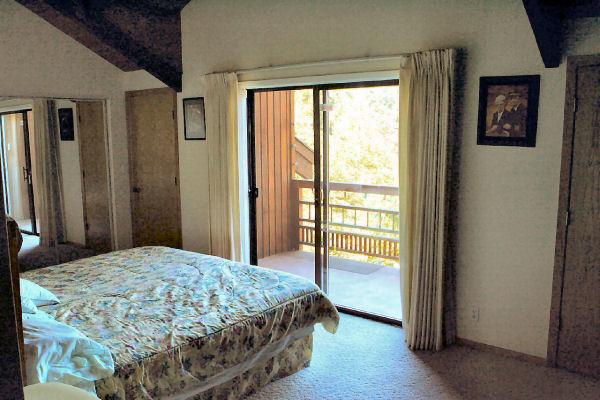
x=369, y=360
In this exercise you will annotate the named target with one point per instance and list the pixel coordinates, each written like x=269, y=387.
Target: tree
x=363, y=147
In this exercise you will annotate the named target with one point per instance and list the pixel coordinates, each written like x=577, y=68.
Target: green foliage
x=363, y=149
x=363, y=140
x=303, y=116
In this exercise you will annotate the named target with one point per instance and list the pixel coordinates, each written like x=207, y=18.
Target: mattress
x=173, y=319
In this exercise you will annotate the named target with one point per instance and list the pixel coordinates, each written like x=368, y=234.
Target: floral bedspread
x=173, y=318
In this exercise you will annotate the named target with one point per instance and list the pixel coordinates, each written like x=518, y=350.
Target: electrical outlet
x=475, y=314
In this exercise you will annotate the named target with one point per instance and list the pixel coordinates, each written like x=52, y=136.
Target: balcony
x=362, y=228
x=363, y=245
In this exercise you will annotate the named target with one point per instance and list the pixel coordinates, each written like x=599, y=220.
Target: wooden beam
x=124, y=38
x=586, y=10
x=573, y=8
x=546, y=23
x=162, y=8
x=79, y=31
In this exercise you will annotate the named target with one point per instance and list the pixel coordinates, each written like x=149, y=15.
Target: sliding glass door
x=360, y=202
x=323, y=164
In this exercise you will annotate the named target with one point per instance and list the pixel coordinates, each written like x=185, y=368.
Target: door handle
x=25, y=174
x=136, y=189
x=253, y=192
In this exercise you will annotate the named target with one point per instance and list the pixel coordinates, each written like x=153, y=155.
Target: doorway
x=16, y=159
x=154, y=167
x=575, y=309
x=323, y=179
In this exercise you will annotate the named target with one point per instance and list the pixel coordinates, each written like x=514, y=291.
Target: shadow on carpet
x=370, y=360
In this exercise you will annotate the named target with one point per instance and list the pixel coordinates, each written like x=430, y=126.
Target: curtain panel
x=223, y=169
x=426, y=117
x=48, y=173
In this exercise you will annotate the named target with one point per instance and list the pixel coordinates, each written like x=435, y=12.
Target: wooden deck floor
x=376, y=292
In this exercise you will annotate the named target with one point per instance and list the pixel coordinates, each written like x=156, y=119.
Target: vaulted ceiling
x=146, y=34
x=548, y=18
x=131, y=34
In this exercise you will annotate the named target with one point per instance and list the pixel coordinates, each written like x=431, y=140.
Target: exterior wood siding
x=276, y=205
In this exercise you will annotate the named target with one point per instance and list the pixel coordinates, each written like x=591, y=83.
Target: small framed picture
x=193, y=119
x=65, y=124
x=508, y=108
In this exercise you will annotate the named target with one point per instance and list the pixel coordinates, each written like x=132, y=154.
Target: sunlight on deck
x=372, y=288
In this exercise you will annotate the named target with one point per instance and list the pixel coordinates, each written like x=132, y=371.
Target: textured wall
x=507, y=196
x=37, y=59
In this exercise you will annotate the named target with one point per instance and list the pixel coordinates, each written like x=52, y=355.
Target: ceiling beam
x=573, y=8
x=546, y=23
x=80, y=32
x=100, y=26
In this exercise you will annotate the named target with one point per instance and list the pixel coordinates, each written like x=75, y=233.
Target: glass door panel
x=361, y=198
x=283, y=185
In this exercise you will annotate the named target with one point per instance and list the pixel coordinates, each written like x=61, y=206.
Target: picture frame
x=194, y=120
x=508, y=110
x=66, y=125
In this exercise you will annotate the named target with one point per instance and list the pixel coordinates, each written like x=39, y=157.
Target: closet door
x=154, y=167
x=94, y=175
x=578, y=344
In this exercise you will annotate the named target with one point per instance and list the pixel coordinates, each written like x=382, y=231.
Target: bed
x=182, y=325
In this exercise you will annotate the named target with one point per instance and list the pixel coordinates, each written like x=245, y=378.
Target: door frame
x=129, y=95
x=27, y=150
x=107, y=170
x=30, y=191
x=321, y=199
x=562, y=224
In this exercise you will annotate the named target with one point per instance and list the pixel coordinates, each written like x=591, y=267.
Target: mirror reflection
x=56, y=186
x=53, y=161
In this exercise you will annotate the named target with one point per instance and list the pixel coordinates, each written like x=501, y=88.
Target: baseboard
x=501, y=352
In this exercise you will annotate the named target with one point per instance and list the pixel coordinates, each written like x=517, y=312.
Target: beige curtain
x=426, y=93
x=223, y=169
x=49, y=192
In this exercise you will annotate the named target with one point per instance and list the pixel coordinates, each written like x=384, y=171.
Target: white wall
x=38, y=60
x=139, y=80
x=71, y=180
x=507, y=195
x=193, y=173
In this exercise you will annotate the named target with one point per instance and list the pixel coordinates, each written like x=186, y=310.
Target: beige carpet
x=368, y=360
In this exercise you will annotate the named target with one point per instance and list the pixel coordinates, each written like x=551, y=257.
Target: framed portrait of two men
x=508, y=108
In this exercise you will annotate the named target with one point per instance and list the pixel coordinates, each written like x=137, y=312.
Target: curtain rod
x=323, y=63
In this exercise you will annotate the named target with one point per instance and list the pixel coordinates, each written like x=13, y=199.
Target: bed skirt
x=288, y=362
x=295, y=357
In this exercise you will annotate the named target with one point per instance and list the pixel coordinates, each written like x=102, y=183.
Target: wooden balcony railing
x=352, y=229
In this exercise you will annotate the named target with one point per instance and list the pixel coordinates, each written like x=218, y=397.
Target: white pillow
x=27, y=306
x=39, y=295
x=38, y=314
